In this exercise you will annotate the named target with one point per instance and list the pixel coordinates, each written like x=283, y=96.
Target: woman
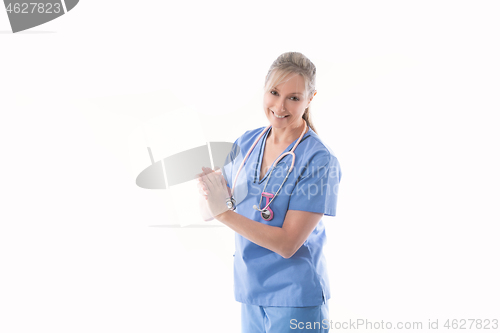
x=280, y=274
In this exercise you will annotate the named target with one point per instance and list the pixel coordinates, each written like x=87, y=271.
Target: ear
x=310, y=99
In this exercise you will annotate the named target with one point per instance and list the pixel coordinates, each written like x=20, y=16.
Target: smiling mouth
x=279, y=116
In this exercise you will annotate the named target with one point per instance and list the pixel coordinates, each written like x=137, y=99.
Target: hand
x=213, y=186
x=202, y=188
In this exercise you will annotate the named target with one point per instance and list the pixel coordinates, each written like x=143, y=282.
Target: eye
x=296, y=98
x=273, y=91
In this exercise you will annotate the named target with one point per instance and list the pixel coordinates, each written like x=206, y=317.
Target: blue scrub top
x=261, y=276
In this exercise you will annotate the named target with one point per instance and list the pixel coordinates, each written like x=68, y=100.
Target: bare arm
x=285, y=241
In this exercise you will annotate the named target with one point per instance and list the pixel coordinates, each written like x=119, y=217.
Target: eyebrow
x=295, y=93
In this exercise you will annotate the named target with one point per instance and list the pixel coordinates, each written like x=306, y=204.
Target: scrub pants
x=278, y=319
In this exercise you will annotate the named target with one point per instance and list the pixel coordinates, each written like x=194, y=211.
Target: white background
x=407, y=99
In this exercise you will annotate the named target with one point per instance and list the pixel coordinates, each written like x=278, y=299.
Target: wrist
x=222, y=217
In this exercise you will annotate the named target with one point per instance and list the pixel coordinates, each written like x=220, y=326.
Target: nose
x=280, y=105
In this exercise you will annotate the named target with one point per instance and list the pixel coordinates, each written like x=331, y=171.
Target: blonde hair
x=293, y=62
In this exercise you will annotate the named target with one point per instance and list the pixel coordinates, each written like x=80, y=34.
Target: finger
x=216, y=179
x=219, y=174
x=223, y=179
x=205, y=190
x=210, y=176
x=203, y=177
x=213, y=177
x=202, y=189
x=204, y=171
x=207, y=182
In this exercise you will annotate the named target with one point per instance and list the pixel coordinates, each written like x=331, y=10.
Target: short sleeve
x=229, y=164
x=317, y=187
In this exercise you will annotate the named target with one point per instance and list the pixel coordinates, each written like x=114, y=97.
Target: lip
x=277, y=117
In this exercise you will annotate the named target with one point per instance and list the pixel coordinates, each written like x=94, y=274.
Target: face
x=286, y=99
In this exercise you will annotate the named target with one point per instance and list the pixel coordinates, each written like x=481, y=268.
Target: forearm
x=272, y=238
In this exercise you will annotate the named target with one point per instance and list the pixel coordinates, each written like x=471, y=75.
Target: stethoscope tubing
x=274, y=165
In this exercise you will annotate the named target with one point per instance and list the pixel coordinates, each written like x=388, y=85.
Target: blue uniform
x=261, y=276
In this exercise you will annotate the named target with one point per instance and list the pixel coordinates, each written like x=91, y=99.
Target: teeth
x=278, y=116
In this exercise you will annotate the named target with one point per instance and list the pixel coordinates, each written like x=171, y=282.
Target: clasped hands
x=212, y=185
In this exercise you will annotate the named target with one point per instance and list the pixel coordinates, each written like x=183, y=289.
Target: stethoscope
x=266, y=212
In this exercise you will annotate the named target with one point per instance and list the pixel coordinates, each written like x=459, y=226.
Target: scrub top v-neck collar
x=261, y=154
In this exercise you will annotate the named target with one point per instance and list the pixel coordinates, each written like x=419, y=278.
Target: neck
x=287, y=135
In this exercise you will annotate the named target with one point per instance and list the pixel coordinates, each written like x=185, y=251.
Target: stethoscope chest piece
x=267, y=214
